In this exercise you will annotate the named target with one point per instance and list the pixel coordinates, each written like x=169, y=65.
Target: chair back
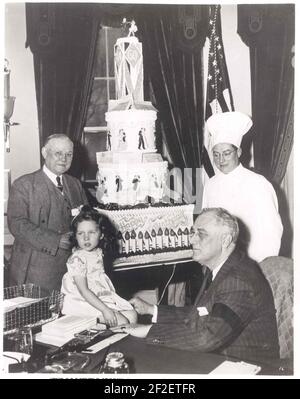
x=278, y=270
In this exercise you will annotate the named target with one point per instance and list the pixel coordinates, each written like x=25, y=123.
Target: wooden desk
x=143, y=358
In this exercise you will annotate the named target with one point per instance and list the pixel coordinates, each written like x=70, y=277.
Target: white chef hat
x=228, y=127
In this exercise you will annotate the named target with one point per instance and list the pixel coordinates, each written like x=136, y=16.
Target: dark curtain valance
x=268, y=30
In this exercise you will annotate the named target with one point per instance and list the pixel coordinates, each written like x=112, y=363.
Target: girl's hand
x=110, y=317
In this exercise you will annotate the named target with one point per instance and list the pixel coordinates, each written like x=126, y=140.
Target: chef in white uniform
x=245, y=194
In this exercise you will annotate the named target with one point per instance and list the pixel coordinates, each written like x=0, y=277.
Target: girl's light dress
x=90, y=265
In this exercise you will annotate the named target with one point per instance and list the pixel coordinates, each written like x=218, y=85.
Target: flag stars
x=211, y=22
x=219, y=46
x=214, y=63
x=209, y=77
x=217, y=38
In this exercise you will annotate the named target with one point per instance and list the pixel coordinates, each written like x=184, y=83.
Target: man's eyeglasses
x=60, y=154
x=200, y=233
x=226, y=154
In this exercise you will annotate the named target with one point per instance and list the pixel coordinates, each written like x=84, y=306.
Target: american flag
x=218, y=92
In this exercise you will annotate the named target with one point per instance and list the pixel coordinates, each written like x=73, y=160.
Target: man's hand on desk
x=136, y=330
x=142, y=307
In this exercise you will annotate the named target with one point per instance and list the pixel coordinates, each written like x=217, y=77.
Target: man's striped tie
x=59, y=183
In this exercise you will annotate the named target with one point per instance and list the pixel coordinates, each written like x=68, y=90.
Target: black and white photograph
x=148, y=193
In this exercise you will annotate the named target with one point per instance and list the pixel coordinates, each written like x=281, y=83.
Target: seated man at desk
x=234, y=316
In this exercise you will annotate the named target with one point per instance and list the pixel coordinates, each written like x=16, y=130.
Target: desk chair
x=278, y=270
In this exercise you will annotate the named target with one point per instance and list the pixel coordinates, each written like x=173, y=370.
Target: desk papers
x=229, y=367
x=66, y=325
x=52, y=339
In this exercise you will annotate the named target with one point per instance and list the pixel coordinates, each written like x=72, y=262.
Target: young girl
x=88, y=290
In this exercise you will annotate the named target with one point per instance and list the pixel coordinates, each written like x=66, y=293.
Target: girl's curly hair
x=87, y=213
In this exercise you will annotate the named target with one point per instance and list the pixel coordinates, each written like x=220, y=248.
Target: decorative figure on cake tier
x=101, y=193
x=142, y=139
x=135, y=182
x=118, y=183
x=122, y=140
x=108, y=143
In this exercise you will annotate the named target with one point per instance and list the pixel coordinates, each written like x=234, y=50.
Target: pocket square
x=202, y=311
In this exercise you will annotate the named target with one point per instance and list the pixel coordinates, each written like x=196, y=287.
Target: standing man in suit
x=233, y=316
x=39, y=216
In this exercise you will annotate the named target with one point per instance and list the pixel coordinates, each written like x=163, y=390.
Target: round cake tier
x=129, y=183
x=131, y=130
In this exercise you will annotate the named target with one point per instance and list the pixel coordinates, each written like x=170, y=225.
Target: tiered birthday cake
x=132, y=174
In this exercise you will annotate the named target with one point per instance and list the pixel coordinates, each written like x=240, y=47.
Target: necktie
x=207, y=280
x=59, y=184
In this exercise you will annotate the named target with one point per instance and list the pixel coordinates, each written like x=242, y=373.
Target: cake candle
x=133, y=241
x=166, y=243
x=120, y=242
x=185, y=237
x=147, y=241
x=140, y=241
x=154, y=239
x=159, y=240
x=173, y=239
x=179, y=235
x=127, y=242
x=189, y=236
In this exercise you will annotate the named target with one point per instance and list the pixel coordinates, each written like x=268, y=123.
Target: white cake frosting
x=130, y=170
x=129, y=68
x=133, y=133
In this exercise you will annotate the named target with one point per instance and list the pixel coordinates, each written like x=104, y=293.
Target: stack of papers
x=52, y=339
x=69, y=325
x=62, y=330
x=229, y=367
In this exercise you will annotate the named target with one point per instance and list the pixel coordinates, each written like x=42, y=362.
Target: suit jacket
x=38, y=214
x=241, y=318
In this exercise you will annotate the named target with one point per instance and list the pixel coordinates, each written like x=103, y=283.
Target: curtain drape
x=268, y=30
x=173, y=66
x=63, y=40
